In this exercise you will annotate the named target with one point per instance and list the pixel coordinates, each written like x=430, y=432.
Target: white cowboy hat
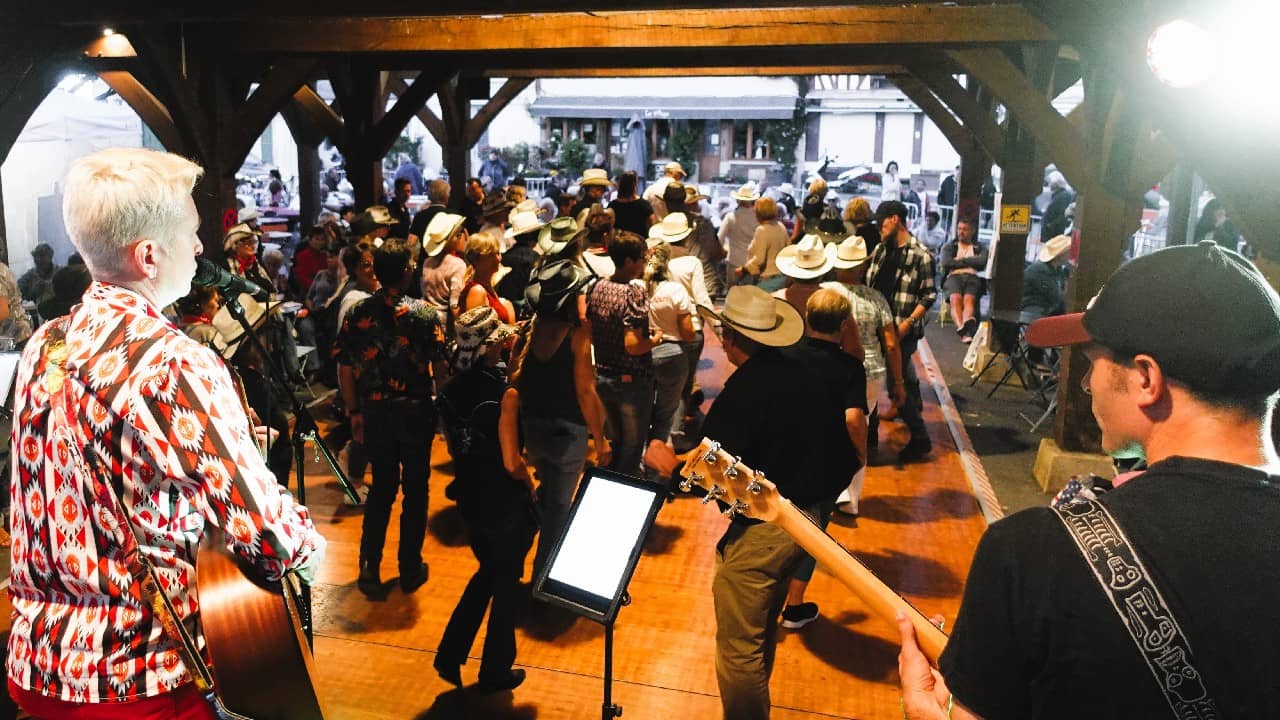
x=758, y=315
x=673, y=228
x=523, y=222
x=746, y=193
x=440, y=230
x=805, y=260
x=850, y=253
x=594, y=176
x=673, y=167
x=1054, y=248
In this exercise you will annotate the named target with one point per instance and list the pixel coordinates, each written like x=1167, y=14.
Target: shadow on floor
x=447, y=526
x=937, y=505
x=849, y=651
x=464, y=702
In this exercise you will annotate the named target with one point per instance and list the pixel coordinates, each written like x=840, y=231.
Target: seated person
x=961, y=261
x=1044, y=281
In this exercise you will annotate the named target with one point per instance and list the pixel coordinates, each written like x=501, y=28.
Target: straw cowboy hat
x=848, y=254
x=556, y=235
x=691, y=194
x=1054, y=248
x=440, y=230
x=805, y=260
x=758, y=315
x=746, y=193
x=673, y=168
x=594, y=176
x=475, y=330
x=523, y=222
x=673, y=228
x=237, y=232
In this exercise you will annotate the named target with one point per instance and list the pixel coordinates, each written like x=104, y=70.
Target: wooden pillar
x=309, y=198
x=975, y=168
x=1021, y=183
x=750, y=146
x=1181, y=205
x=359, y=113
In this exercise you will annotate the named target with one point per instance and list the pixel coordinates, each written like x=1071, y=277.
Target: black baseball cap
x=891, y=207
x=1204, y=312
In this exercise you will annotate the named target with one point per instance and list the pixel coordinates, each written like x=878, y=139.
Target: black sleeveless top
x=547, y=390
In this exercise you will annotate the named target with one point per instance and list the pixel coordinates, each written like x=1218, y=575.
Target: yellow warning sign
x=1015, y=219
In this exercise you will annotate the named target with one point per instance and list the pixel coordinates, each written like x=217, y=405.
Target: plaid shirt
x=130, y=400
x=914, y=284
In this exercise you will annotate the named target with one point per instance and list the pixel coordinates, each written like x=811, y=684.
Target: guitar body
x=261, y=662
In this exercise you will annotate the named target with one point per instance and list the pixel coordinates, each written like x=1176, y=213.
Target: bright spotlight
x=1179, y=53
x=108, y=32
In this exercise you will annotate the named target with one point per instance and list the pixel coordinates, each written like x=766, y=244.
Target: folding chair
x=1007, y=340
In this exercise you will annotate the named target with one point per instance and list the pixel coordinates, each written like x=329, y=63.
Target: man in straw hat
x=1183, y=347
x=779, y=410
x=1044, y=281
x=902, y=270
x=592, y=186
x=443, y=269
x=738, y=228
x=373, y=225
x=671, y=172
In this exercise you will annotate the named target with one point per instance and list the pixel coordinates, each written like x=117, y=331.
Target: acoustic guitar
x=261, y=663
x=749, y=493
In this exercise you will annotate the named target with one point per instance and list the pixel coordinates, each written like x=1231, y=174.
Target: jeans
x=557, y=450
x=397, y=438
x=669, y=375
x=628, y=406
x=910, y=412
x=500, y=538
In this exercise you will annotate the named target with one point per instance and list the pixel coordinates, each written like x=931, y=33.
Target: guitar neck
x=871, y=590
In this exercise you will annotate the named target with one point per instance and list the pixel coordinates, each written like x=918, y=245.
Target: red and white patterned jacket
x=142, y=404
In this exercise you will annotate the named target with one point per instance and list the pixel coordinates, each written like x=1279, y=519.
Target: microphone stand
x=304, y=429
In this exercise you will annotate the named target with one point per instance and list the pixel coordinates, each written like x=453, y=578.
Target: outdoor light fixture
x=1180, y=54
x=108, y=32
x=111, y=45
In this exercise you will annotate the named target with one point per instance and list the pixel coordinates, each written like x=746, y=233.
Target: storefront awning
x=665, y=108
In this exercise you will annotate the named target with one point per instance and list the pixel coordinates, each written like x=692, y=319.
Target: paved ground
x=1000, y=436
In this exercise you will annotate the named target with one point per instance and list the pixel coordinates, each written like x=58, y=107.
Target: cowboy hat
x=554, y=284
x=746, y=193
x=848, y=254
x=787, y=188
x=475, y=330
x=673, y=228
x=691, y=195
x=556, y=235
x=672, y=168
x=234, y=234
x=594, y=176
x=805, y=260
x=494, y=203
x=442, y=228
x=1054, y=248
x=758, y=315
x=523, y=222
x=246, y=214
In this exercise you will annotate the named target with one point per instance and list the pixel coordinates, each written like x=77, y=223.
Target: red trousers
x=185, y=703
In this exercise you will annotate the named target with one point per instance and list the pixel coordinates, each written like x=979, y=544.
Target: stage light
x=1180, y=54
x=108, y=32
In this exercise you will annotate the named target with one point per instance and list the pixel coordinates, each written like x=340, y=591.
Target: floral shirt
x=128, y=405
x=389, y=341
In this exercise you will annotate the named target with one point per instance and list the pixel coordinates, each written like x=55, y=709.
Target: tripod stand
x=304, y=429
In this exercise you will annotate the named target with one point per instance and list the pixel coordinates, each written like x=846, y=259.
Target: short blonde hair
x=817, y=186
x=766, y=209
x=826, y=310
x=479, y=245
x=115, y=197
x=858, y=210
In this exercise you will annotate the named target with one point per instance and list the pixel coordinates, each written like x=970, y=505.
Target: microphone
x=209, y=274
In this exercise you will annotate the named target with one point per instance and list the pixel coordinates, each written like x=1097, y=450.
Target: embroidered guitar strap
x=1141, y=607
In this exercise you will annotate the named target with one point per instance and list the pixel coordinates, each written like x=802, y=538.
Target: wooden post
x=1181, y=202
x=309, y=199
x=1021, y=183
x=975, y=168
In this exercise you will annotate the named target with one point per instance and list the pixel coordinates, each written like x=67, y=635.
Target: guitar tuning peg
x=732, y=472
x=712, y=454
x=686, y=483
x=737, y=508
x=754, y=486
x=715, y=493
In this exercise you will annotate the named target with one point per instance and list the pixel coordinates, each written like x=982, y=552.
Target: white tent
x=64, y=127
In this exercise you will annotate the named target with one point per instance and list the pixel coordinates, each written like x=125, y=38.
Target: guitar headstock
x=725, y=478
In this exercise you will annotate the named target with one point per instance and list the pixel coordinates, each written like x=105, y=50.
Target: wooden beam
x=475, y=127
x=284, y=79
x=1021, y=97
x=970, y=112
x=319, y=112
x=164, y=67
x=697, y=71
x=410, y=100
x=918, y=25
x=149, y=108
x=956, y=133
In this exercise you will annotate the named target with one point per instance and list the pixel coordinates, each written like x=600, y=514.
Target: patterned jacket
x=129, y=405
x=914, y=285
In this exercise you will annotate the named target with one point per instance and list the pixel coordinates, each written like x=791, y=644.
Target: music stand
x=592, y=561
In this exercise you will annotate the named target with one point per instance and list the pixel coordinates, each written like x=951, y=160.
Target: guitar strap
x=107, y=495
x=1142, y=609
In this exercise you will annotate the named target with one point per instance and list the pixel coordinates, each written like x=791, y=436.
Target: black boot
x=370, y=581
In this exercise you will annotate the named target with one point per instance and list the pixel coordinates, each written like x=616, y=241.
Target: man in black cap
x=1143, y=602
x=902, y=270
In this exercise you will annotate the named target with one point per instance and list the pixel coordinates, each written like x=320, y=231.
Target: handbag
x=1133, y=594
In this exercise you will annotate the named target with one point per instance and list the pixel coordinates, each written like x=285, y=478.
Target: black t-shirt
x=783, y=412
x=1037, y=637
x=632, y=215
x=422, y=219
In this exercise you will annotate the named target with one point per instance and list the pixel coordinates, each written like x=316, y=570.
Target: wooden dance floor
x=918, y=530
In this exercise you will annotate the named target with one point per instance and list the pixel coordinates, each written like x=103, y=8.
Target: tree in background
x=686, y=142
x=574, y=157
